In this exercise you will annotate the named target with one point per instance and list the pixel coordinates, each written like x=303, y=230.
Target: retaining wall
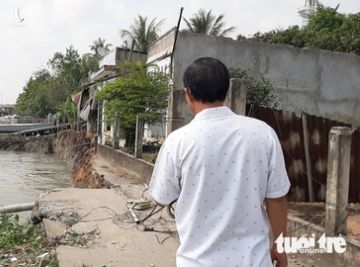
x=140, y=167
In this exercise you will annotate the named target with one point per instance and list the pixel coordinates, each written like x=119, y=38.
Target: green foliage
x=89, y=64
x=76, y=239
x=206, y=23
x=34, y=98
x=100, y=48
x=53, y=262
x=23, y=241
x=326, y=29
x=259, y=90
x=66, y=112
x=292, y=36
x=12, y=233
x=49, y=88
x=69, y=70
x=141, y=34
x=140, y=90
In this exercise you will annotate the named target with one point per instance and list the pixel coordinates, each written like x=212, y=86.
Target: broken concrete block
x=54, y=230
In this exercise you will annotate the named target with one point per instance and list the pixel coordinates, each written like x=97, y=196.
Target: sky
x=50, y=26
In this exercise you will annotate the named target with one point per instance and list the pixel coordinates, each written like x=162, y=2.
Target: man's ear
x=188, y=95
x=190, y=101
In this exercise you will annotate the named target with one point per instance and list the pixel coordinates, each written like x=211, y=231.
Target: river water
x=24, y=175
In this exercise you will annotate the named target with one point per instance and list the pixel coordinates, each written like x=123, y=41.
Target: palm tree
x=141, y=34
x=207, y=23
x=100, y=48
x=310, y=8
x=313, y=3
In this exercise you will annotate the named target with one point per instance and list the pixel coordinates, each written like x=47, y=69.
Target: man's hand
x=280, y=259
x=276, y=209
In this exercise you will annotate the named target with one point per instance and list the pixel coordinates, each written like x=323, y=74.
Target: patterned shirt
x=220, y=168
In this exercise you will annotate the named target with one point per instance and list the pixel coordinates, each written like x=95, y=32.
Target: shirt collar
x=213, y=113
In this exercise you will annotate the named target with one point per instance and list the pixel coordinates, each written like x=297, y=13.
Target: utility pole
x=1, y=110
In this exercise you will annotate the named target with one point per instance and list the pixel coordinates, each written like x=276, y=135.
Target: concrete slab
x=113, y=238
x=85, y=228
x=70, y=256
x=54, y=230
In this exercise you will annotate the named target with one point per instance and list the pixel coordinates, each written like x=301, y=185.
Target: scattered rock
x=58, y=211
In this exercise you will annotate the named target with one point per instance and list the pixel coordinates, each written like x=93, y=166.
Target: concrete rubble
x=97, y=224
x=103, y=233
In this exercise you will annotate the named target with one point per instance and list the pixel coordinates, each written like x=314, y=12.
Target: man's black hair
x=208, y=80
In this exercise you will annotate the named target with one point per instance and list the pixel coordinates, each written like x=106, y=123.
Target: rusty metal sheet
x=289, y=129
x=354, y=191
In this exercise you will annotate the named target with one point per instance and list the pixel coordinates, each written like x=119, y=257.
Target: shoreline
x=94, y=227
x=76, y=150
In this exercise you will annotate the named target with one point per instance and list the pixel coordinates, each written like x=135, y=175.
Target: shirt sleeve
x=278, y=183
x=164, y=185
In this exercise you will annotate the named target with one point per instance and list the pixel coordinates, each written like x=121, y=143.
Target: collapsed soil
x=74, y=147
x=77, y=149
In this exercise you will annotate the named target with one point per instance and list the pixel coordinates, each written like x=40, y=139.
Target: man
x=221, y=168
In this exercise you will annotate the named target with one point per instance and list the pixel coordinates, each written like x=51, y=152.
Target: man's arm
x=164, y=184
x=276, y=209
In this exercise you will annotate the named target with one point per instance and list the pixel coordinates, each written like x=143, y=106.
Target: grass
x=13, y=234
x=75, y=239
x=17, y=238
x=53, y=263
x=23, y=241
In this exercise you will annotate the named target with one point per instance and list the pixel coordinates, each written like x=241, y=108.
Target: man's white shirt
x=220, y=168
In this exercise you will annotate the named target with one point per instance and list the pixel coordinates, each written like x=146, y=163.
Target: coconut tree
x=313, y=3
x=309, y=9
x=207, y=23
x=100, y=48
x=142, y=33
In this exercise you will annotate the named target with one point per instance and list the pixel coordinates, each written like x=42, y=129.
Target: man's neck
x=199, y=106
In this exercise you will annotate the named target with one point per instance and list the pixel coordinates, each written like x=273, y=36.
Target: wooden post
x=116, y=132
x=139, y=134
x=236, y=97
x=103, y=123
x=338, y=173
x=307, y=157
x=99, y=128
